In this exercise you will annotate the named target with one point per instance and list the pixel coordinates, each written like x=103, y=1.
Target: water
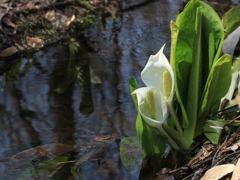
x=94, y=108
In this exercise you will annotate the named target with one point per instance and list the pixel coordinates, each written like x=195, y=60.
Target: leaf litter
x=210, y=162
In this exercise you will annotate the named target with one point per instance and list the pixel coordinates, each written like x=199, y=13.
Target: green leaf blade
x=153, y=142
x=133, y=85
x=212, y=39
x=231, y=20
x=131, y=153
x=213, y=130
x=194, y=79
x=217, y=86
x=183, y=54
x=180, y=140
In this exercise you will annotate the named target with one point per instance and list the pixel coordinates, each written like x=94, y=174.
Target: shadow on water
x=69, y=106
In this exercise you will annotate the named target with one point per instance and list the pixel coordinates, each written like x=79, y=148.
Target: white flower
x=155, y=99
x=154, y=112
x=159, y=103
x=158, y=72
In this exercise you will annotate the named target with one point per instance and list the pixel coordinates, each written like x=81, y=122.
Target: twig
x=219, y=148
x=226, y=157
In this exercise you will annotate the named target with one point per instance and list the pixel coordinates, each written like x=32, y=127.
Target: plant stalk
x=174, y=116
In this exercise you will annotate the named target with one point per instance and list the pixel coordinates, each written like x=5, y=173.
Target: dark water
x=94, y=108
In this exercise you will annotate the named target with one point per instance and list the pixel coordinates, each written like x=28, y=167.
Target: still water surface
x=94, y=104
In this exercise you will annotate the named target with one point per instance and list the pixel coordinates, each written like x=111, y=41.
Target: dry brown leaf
x=57, y=19
x=35, y=42
x=70, y=20
x=205, y=153
x=218, y=172
x=4, y=5
x=3, y=1
x=9, y=51
x=236, y=172
x=234, y=147
x=24, y=1
x=30, y=5
x=8, y=22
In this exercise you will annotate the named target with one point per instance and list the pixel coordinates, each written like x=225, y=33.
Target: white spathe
x=152, y=74
x=160, y=103
x=161, y=110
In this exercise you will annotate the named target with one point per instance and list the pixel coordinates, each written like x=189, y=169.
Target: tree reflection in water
x=57, y=99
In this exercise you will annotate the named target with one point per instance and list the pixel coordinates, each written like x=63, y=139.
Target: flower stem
x=174, y=116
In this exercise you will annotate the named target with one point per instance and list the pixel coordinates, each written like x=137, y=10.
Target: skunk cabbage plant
x=180, y=96
x=154, y=101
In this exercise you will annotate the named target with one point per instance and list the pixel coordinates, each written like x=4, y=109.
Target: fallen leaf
x=107, y=138
x=35, y=42
x=8, y=22
x=206, y=151
x=131, y=154
x=41, y=151
x=44, y=168
x=3, y=1
x=30, y=5
x=57, y=19
x=4, y=5
x=218, y=172
x=70, y=20
x=234, y=147
x=236, y=172
x=24, y=1
x=9, y=51
x=20, y=47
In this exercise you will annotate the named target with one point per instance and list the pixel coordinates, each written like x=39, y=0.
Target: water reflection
x=82, y=70
x=51, y=99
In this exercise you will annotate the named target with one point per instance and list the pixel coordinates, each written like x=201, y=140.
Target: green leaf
x=231, y=20
x=200, y=35
x=183, y=53
x=212, y=39
x=153, y=143
x=131, y=153
x=48, y=166
x=231, y=108
x=213, y=130
x=194, y=80
x=235, y=123
x=133, y=86
x=216, y=87
x=37, y=152
x=76, y=171
x=181, y=141
x=174, y=36
x=151, y=139
x=86, y=156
